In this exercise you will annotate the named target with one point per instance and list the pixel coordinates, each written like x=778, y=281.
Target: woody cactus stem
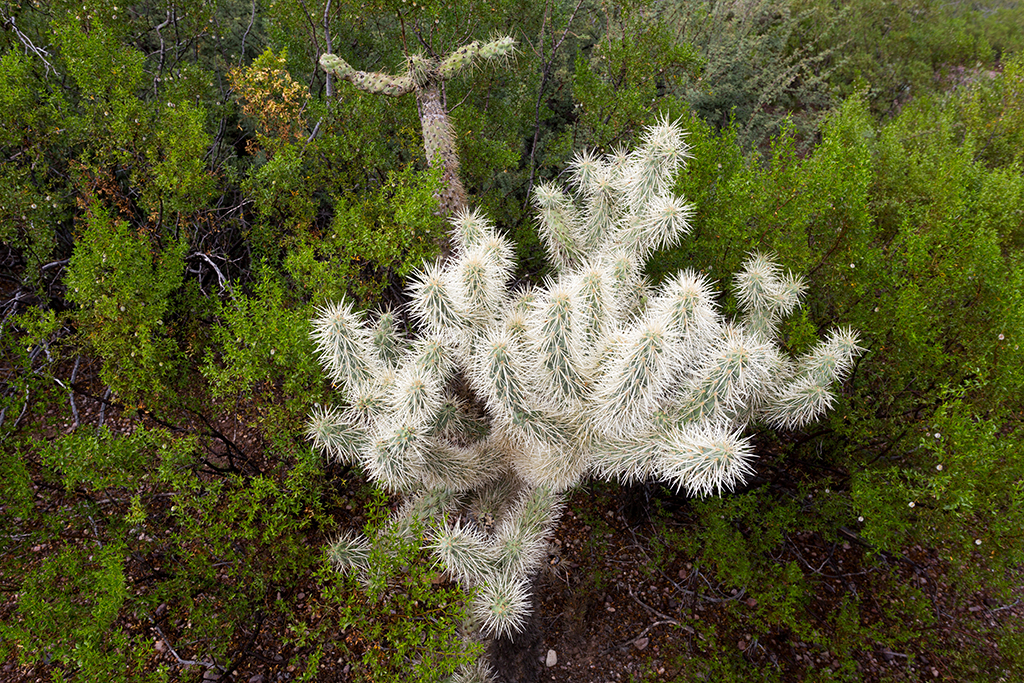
x=505, y=398
x=424, y=77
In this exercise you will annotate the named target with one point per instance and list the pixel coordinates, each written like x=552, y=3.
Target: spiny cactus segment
x=424, y=76
x=505, y=397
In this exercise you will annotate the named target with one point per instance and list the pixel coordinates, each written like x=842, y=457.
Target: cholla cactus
x=425, y=76
x=505, y=398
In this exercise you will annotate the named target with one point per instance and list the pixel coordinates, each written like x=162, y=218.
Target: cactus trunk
x=425, y=76
x=439, y=144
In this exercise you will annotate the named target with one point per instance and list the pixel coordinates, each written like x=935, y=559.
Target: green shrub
x=907, y=50
x=258, y=350
x=910, y=234
x=373, y=242
x=161, y=527
x=121, y=281
x=990, y=112
x=403, y=618
x=960, y=495
x=98, y=461
x=67, y=613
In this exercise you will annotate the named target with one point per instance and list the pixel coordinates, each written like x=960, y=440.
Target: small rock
x=551, y=659
x=641, y=643
x=683, y=574
x=258, y=678
x=742, y=645
x=751, y=602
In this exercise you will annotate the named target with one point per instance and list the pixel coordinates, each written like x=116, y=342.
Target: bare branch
x=163, y=50
x=245, y=36
x=55, y=264
x=329, y=44
x=221, y=280
x=177, y=657
x=71, y=394
x=29, y=46
x=544, y=75
x=103, y=408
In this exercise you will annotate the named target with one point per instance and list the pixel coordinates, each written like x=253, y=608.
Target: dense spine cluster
x=505, y=398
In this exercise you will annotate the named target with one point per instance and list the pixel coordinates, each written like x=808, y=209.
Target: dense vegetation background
x=181, y=187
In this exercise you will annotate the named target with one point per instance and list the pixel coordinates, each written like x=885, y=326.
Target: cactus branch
x=424, y=76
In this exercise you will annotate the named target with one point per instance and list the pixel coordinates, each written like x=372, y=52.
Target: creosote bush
x=506, y=397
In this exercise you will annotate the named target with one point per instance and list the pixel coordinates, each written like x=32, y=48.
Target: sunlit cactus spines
x=424, y=75
x=503, y=397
